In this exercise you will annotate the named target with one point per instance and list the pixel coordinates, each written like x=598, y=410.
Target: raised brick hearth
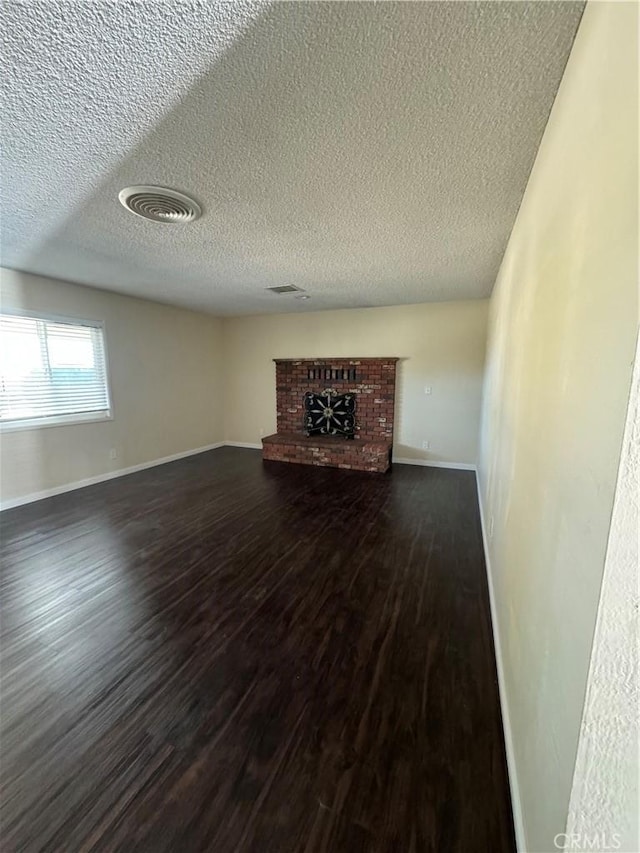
x=327, y=451
x=373, y=382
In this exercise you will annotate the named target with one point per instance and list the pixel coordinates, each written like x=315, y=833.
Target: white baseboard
x=457, y=466
x=516, y=802
x=247, y=444
x=101, y=478
x=460, y=466
x=122, y=472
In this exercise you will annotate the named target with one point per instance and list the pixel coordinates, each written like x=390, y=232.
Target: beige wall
x=441, y=345
x=563, y=325
x=606, y=779
x=166, y=388
x=172, y=370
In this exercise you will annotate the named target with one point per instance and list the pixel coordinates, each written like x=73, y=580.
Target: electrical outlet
x=426, y=445
x=427, y=389
x=113, y=453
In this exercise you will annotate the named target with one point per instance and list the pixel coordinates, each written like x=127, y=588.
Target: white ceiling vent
x=160, y=204
x=285, y=288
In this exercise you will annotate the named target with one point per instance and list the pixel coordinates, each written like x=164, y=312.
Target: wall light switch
x=427, y=389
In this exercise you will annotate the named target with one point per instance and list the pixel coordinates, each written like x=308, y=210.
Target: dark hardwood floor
x=216, y=655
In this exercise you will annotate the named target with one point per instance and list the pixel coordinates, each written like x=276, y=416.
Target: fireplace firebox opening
x=329, y=413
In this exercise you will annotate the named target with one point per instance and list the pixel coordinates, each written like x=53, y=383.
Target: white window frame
x=74, y=418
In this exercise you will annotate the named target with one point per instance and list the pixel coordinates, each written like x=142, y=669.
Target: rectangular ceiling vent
x=285, y=288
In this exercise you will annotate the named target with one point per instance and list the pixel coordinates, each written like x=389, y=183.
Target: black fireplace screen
x=329, y=413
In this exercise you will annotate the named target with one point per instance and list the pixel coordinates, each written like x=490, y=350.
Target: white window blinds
x=51, y=371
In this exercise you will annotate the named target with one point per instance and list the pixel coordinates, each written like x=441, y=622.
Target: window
x=52, y=371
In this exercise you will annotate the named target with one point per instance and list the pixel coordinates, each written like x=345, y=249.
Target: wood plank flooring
x=224, y=655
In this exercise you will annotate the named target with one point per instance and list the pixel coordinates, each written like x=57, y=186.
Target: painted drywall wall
x=441, y=345
x=165, y=367
x=563, y=325
x=604, y=797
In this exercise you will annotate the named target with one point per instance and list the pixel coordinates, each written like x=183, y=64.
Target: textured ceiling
x=373, y=154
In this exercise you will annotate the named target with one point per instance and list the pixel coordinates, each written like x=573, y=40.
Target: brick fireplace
x=371, y=381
